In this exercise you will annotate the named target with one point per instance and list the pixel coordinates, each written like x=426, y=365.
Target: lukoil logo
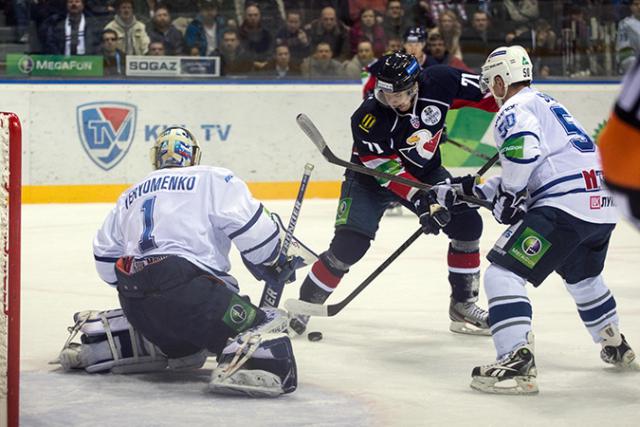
x=106, y=131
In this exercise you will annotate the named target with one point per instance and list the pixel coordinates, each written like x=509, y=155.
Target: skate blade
x=468, y=329
x=522, y=385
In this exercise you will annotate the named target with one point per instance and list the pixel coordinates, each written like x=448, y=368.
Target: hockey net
x=10, y=201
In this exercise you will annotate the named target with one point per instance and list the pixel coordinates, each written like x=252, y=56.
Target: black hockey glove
x=433, y=216
x=509, y=208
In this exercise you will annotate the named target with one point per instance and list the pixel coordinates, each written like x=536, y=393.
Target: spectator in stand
x=114, y=58
x=428, y=13
x=395, y=21
x=415, y=39
x=294, y=37
x=354, y=68
x=479, y=40
x=101, y=10
x=255, y=38
x=438, y=54
x=450, y=29
x=272, y=12
x=394, y=44
x=161, y=30
x=321, y=64
x=356, y=7
x=519, y=17
x=132, y=34
x=156, y=49
x=235, y=60
x=183, y=11
x=327, y=29
x=546, y=56
x=628, y=41
x=281, y=66
x=366, y=28
x=73, y=33
x=206, y=30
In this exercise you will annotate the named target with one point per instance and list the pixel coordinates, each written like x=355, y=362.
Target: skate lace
x=473, y=311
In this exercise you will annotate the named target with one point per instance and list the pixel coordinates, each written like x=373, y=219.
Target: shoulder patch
x=367, y=122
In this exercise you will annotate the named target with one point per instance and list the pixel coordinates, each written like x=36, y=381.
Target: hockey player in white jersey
x=550, y=193
x=165, y=248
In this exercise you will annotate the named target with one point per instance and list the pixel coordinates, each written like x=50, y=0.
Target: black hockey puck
x=314, y=336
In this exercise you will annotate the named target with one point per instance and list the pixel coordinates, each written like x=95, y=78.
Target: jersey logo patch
x=424, y=142
x=367, y=122
x=431, y=115
x=106, y=131
x=415, y=122
x=529, y=247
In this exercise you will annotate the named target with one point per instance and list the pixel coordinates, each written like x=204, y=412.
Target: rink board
x=87, y=142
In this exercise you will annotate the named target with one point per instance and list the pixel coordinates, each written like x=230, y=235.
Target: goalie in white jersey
x=550, y=192
x=168, y=238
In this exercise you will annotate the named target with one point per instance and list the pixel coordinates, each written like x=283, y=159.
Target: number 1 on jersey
x=147, y=242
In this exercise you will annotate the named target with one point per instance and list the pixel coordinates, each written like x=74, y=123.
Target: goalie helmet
x=511, y=63
x=175, y=147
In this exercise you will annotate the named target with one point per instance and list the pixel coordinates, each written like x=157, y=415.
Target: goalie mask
x=512, y=64
x=396, y=81
x=176, y=147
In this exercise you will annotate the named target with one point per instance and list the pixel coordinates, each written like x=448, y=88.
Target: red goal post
x=10, y=207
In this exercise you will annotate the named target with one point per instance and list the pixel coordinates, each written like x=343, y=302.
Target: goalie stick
x=307, y=126
x=272, y=292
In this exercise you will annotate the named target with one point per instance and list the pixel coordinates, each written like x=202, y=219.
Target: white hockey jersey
x=193, y=212
x=543, y=148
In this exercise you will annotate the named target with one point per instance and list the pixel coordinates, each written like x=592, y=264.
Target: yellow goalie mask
x=176, y=147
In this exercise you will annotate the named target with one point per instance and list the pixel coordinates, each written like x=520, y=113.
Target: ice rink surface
x=387, y=359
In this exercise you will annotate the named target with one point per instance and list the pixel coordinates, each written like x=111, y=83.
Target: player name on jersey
x=165, y=183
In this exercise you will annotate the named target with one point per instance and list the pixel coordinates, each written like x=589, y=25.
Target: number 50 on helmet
x=175, y=147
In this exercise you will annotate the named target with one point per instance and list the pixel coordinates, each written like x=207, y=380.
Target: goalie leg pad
x=109, y=344
x=257, y=365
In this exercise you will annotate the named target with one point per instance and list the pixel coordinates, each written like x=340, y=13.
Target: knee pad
x=348, y=247
x=465, y=225
x=109, y=344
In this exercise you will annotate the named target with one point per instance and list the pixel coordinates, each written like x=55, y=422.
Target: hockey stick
x=273, y=291
x=469, y=150
x=308, y=308
x=316, y=137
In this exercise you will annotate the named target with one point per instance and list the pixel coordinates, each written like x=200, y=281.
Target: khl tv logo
x=106, y=130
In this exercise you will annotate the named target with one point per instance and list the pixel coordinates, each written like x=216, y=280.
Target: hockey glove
x=509, y=208
x=433, y=216
x=281, y=271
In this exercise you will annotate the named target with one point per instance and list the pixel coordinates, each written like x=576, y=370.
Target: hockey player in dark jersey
x=398, y=130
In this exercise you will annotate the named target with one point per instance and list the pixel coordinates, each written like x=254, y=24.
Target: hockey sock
x=595, y=303
x=323, y=278
x=509, y=309
x=463, y=260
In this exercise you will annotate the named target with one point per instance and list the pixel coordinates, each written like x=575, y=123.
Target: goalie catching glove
x=431, y=208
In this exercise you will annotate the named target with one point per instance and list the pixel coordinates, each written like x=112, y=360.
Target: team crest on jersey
x=415, y=121
x=106, y=131
x=431, y=115
x=424, y=143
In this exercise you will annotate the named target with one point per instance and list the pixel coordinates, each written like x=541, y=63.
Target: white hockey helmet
x=511, y=63
x=175, y=147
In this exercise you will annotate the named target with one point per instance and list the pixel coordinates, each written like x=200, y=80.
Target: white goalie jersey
x=193, y=212
x=543, y=148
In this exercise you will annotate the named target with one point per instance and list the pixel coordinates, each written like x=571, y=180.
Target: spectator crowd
x=329, y=39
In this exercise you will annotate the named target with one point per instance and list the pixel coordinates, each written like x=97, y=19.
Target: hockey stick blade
x=297, y=306
x=307, y=126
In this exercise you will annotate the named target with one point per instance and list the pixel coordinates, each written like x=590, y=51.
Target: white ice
x=388, y=359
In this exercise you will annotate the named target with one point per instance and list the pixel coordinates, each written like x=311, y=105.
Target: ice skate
x=515, y=373
x=468, y=318
x=616, y=350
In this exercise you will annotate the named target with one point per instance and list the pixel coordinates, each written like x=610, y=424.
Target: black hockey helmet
x=398, y=72
x=415, y=35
